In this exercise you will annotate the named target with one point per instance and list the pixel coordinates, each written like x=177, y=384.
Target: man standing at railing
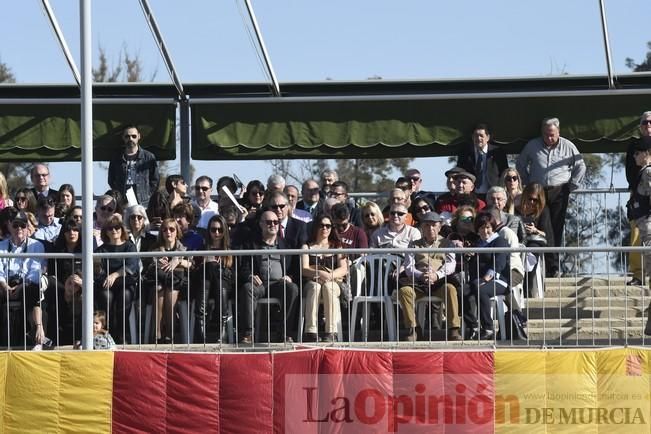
x=632, y=172
x=556, y=164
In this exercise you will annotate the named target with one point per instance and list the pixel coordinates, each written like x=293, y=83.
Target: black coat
x=496, y=162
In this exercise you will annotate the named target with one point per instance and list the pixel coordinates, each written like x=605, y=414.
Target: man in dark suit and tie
x=40, y=175
x=483, y=159
x=292, y=230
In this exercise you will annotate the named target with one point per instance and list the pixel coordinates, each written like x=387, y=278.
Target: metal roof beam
x=160, y=42
x=275, y=89
x=62, y=41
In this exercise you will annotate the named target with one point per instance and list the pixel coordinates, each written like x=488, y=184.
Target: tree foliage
x=128, y=68
x=6, y=75
x=644, y=65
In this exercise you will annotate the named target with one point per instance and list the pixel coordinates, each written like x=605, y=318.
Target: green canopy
x=411, y=126
x=51, y=132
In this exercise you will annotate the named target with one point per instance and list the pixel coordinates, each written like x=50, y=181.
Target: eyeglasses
x=114, y=228
x=20, y=198
x=170, y=229
x=279, y=206
x=19, y=225
x=511, y=178
x=107, y=208
x=532, y=199
x=256, y=193
x=414, y=178
x=335, y=194
x=424, y=208
x=646, y=122
x=466, y=219
x=201, y=188
x=136, y=217
x=325, y=226
x=217, y=229
x=397, y=213
x=130, y=136
x=42, y=175
x=272, y=222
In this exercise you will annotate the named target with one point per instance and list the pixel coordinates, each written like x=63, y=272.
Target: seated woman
x=168, y=275
x=213, y=276
x=323, y=274
x=489, y=274
x=512, y=183
x=372, y=218
x=538, y=225
x=419, y=208
x=115, y=283
x=64, y=287
x=24, y=200
x=66, y=201
x=253, y=198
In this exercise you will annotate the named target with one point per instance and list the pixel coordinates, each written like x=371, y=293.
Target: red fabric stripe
x=193, y=393
x=245, y=391
x=139, y=398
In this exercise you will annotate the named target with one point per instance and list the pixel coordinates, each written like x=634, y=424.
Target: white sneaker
x=37, y=347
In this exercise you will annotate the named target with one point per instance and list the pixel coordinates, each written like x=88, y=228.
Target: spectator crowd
x=487, y=204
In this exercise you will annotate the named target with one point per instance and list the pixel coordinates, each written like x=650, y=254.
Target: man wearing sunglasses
x=416, y=179
x=135, y=168
x=203, y=201
x=312, y=201
x=396, y=233
x=555, y=163
x=483, y=159
x=20, y=277
x=291, y=229
x=269, y=275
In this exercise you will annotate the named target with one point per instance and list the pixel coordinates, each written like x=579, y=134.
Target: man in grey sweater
x=556, y=164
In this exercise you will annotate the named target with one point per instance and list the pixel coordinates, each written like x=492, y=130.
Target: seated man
x=429, y=274
x=396, y=233
x=339, y=191
x=270, y=275
x=183, y=213
x=496, y=197
x=291, y=191
x=20, y=277
x=48, y=226
x=463, y=193
x=414, y=176
x=398, y=196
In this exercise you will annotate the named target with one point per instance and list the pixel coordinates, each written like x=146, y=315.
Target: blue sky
x=339, y=40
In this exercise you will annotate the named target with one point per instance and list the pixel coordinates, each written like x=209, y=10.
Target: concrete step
x=631, y=311
x=585, y=302
x=586, y=333
x=548, y=323
x=554, y=291
x=604, y=280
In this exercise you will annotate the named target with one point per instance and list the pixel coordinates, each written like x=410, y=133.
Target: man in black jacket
x=135, y=168
x=483, y=159
x=269, y=275
x=632, y=171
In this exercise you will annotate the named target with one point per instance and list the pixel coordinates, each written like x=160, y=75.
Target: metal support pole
x=274, y=82
x=62, y=40
x=604, y=30
x=87, y=172
x=184, y=116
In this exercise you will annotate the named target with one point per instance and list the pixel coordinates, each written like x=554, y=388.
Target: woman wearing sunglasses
x=512, y=183
x=24, y=200
x=323, y=274
x=213, y=277
x=115, y=283
x=168, y=276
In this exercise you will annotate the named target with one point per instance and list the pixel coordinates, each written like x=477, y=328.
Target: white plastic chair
x=378, y=269
x=497, y=304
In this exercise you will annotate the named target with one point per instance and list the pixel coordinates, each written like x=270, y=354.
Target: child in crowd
x=102, y=340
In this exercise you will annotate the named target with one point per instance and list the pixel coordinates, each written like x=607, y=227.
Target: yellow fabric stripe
x=58, y=392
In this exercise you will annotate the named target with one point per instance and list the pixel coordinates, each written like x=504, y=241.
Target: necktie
x=479, y=169
x=281, y=232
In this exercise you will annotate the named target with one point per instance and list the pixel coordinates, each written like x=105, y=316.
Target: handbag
x=515, y=327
